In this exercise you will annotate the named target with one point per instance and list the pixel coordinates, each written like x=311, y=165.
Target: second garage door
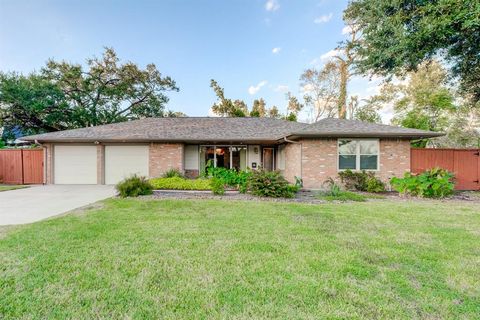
x=124, y=161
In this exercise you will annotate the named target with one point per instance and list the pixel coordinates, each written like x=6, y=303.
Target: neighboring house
x=314, y=152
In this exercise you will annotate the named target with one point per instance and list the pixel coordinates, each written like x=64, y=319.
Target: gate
x=464, y=163
x=21, y=166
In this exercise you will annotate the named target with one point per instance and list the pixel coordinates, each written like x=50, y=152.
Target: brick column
x=165, y=156
x=100, y=164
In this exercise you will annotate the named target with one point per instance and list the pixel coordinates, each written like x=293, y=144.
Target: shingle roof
x=213, y=129
x=333, y=127
x=179, y=129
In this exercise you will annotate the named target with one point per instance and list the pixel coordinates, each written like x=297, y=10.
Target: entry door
x=268, y=159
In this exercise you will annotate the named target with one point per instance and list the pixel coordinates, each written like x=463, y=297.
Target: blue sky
x=253, y=48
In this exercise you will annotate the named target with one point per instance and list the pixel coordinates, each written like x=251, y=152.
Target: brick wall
x=165, y=156
x=394, y=158
x=293, y=165
x=319, y=160
x=48, y=163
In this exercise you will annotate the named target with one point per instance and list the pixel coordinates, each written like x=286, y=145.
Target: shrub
x=270, y=184
x=134, y=186
x=218, y=188
x=171, y=173
x=177, y=183
x=230, y=177
x=433, y=183
x=361, y=181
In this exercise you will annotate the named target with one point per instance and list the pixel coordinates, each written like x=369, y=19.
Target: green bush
x=218, y=187
x=433, y=183
x=177, y=183
x=270, y=184
x=171, y=173
x=361, y=181
x=230, y=177
x=134, y=186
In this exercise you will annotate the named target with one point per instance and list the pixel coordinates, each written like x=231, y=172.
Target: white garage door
x=75, y=165
x=123, y=161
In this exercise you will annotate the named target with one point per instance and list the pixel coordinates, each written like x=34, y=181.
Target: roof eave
x=298, y=135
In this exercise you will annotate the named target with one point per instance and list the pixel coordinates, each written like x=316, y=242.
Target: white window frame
x=358, y=155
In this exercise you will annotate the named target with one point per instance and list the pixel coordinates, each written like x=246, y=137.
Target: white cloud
x=276, y=50
x=330, y=54
x=281, y=88
x=272, y=5
x=323, y=19
x=254, y=89
x=346, y=30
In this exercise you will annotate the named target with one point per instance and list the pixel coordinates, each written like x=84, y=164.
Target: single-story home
x=314, y=152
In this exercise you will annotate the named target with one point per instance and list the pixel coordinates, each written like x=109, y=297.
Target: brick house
x=314, y=152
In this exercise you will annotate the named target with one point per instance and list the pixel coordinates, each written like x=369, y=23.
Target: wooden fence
x=21, y=166
x=464, y=163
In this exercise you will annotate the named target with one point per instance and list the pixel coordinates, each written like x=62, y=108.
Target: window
x=358, y=154
x=224, y=156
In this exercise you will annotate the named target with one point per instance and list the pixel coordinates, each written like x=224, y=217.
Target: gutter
x=290, y=141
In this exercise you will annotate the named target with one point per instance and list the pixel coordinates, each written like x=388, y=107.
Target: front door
x=268, y=159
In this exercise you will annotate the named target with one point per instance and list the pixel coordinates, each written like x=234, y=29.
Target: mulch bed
x=303, y=196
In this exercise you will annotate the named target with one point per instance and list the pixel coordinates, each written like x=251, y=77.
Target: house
x=108, y=153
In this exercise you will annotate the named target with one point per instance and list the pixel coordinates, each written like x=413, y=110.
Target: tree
x=274, y=113
x=345, y=57
x=65, y=96
x=258, y=108
x=109, y=91
x=423, y=101
x=226, y=107
x=321, y=87
x=293, y=108
x=398, y=36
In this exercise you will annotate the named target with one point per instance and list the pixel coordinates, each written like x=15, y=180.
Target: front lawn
x=7, y=187
x=145, y=259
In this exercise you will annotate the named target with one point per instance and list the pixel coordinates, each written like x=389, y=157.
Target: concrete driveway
x=40, y=202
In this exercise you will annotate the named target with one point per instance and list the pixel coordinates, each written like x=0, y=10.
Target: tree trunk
x=342, y=97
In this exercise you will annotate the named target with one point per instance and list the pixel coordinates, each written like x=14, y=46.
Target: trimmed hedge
x=178, y=183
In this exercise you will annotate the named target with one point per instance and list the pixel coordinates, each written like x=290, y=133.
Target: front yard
x=202, y=259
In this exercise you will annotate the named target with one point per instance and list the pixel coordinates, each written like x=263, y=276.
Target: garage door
x=75, y=165
x=123, y=161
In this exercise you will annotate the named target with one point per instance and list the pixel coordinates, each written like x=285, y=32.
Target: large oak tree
x=65, y=95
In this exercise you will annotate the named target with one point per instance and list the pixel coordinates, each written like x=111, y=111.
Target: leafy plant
x=172, y=173
x=433, y=183
x=270, y=184
x=230, y=177
x=178, y=183
x=335, y=193
x=134, y=186
x=218, y=188
x=361, y=181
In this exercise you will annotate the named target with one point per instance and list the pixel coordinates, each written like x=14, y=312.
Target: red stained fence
x=19, y=166
x=464, y=163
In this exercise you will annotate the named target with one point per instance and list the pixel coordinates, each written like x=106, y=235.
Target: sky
x=253, y=48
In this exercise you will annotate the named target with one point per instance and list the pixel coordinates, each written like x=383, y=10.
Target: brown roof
x=184, y=129
x=216, y=129
x=333, y=127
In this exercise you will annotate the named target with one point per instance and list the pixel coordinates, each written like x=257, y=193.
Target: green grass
x=11, y=187
x=342, y=196
x=139, y=259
